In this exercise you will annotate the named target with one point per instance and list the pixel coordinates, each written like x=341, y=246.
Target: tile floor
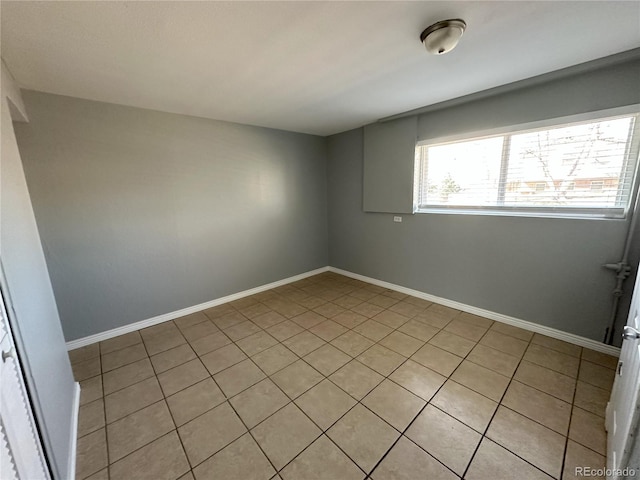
x=337, y=379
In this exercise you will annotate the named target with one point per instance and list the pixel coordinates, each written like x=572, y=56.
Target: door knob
x=7, y=354
x=630, y=333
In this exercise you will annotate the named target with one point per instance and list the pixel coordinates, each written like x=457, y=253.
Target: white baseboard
x=498, y=317
x=132, y=327
x=73, y=443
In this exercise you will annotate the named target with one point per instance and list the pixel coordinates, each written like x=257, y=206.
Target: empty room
x=305, y=240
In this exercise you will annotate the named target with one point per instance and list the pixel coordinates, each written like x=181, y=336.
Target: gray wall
x=544, y=270
x=33, y=314
x=142, y=213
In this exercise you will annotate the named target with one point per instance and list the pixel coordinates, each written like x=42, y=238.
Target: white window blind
x=579, y=169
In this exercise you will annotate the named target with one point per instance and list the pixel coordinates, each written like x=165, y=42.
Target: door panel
x=622, y=410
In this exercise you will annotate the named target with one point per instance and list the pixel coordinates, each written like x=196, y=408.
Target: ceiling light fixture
x=443, y=36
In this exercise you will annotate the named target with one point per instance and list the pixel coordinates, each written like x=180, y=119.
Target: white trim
x=73, y=443
x=132, y=327
x=498, y=317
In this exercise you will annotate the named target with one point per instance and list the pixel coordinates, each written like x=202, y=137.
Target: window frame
x=611, y=213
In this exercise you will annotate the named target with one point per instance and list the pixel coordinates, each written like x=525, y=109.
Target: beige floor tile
x=255, y=310
x=212, y=342
x=190, y=320
x=312, y=302
x=297, y=378
x=128, y=375
x=210, y=432
x=493, y=359
x=491, y=461
x=452, y=343
x=381, y=359
x=163, y=328
x=322, y=461
x=138, y=429
x=86, y=369
x=373, y=330
x=308, y=319
x=596, y=375
x=200, y=330
x=182, y=376
x=383, y=301
x=218, y=311
x=546, y=380
x=222, y=358
x=239, y=377
x=164, y=341
x=482, y=380
x=429, y=318
x=258, y=402
x=578, y=456
x=122, y=357
x=285, y=434
x=356, y=379
x=602, y=359
x=325, y=403
x=397, y=406
x=256, y=343
x=242, y=330
x=512, y=331
x=228, y=319
x=440, y=311
x=420, y=302
x=121, y=341
x=284, y=330
x=240, y=460
x=347, y=301
x=529, y=440
x=504, y=343
x=90, y=390
x=407, y=309
x=243, y=303
x=401, y=343
x=367, y=309
x=475, y=320
x=591, y=398
x=329, y=310
x=349, y=319
x=437, y=359
x=419, y=330
x=465, y=329
x=268, y=319
x=418, y=379
x=391, y=319
x=352, y=343
x=101, y=475
x=132, y=398
x=550, y=411
x=274, y=359
x=444, y=437
x=588, y=430
x=91, y=456
x=558, y=345
x=164, y=459
x=469, y=407
x=407, y=461
x=172, y=358
x=84, y=353
x=187, y=404
x=290, y=309
x=187, y=476
x=327, y=359
x=328, y=330
x=559, y=362
x=304, y=343
x=91, y=417
x=363, y=436
x=363, y=294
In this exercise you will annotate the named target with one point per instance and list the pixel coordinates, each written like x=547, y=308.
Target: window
x=572, y=169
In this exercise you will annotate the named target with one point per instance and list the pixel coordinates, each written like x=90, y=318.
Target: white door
x=21, y=453
x=623, y=409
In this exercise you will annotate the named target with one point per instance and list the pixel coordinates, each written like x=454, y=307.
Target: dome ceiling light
x=443, y=36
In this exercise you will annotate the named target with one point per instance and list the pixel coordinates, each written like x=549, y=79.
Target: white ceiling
x=315, y=67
